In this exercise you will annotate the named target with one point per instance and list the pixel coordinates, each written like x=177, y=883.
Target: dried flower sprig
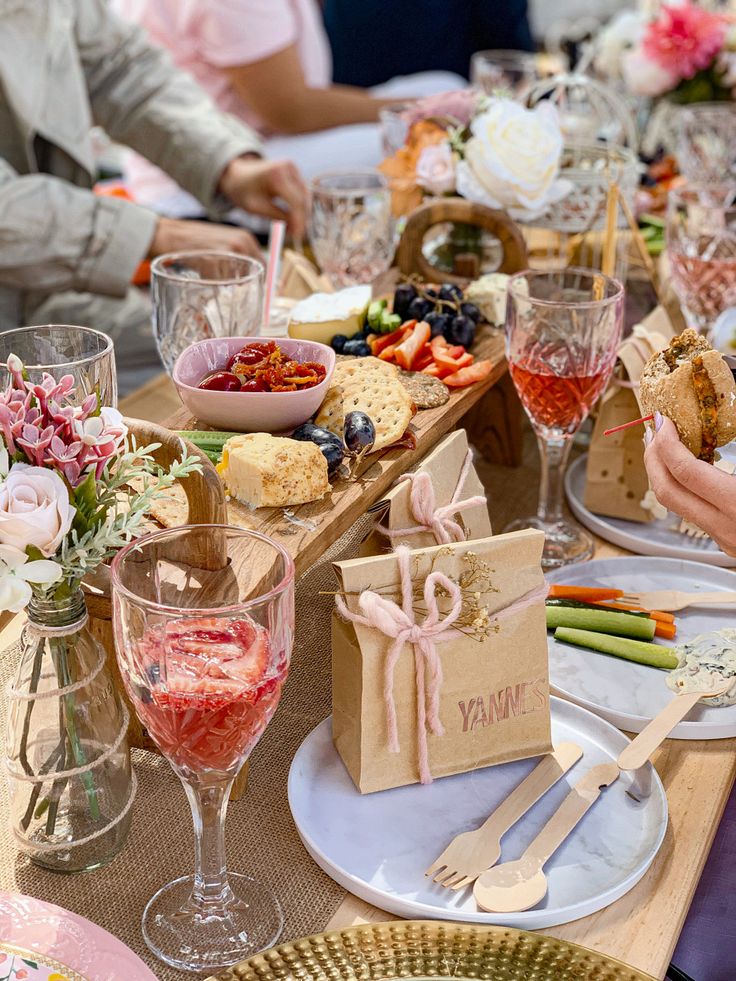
x=475, y=584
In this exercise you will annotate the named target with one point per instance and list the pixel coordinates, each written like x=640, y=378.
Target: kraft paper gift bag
x=417, y=694
x=442, y=501
x=616, y=480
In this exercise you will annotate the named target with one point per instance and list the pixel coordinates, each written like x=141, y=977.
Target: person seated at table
x=67, y=255
x=374, y=40
x=268, y=62
x=697, y=491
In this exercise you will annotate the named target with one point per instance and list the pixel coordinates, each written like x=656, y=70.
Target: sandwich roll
x=691, y=384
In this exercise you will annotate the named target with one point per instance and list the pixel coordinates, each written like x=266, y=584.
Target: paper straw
x=626, y=425
x=275, y=245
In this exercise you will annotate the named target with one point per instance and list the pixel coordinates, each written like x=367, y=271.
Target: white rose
x=436, y=169
x=643, y=76
x=512, y=160
x=34, y=509
x=621, y=34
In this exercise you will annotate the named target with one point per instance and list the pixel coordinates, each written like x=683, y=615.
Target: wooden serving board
x=311, y=528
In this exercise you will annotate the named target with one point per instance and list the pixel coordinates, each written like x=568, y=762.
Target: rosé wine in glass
x=219, y=686
x=701, y=247
x=204, y=623
x=562, y=334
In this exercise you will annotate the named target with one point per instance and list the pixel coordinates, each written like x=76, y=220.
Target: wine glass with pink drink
x=204, y=623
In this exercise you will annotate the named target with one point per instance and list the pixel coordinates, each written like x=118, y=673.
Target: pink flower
x=34, y=441
x=685, y=39
x=21, y=974
x=644, y=76
x=436, y=169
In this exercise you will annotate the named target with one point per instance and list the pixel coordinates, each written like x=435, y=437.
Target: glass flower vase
x=67, y=758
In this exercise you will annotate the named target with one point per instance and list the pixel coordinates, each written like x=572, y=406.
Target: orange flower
x=401, y=169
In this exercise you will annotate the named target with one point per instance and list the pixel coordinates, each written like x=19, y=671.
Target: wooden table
x=642, y=928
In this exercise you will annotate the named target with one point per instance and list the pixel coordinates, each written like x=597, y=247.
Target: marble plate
x=378, y=845
x=658, y=537
x=629, y=695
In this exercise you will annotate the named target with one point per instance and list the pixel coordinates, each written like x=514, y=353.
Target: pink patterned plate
x=67, y=947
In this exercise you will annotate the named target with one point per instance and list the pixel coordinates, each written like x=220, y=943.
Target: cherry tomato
x=253, y=385
x=220, y=381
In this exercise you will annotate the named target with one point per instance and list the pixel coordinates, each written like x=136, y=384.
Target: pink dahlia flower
x=684, y=39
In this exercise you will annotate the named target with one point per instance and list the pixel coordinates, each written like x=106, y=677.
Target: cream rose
x=34, y=509
x=512, y=159
x=436, y=169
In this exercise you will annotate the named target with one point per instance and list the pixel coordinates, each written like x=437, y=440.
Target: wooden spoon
x=519, y=885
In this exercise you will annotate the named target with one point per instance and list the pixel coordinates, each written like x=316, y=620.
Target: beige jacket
x=64, y=66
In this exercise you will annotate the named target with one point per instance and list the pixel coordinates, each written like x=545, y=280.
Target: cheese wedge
x=264, y=471
x=489, y=294
x=322, y=315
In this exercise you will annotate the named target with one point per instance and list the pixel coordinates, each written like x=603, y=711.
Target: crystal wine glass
x=352, y=228
x=701, y=246
x=706, y=141
x=204, y=294
x=503, y=71
x=562, y=335
x=63, y=349
x=203, y=617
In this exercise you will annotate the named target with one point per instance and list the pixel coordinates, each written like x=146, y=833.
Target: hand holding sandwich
x=698, y=492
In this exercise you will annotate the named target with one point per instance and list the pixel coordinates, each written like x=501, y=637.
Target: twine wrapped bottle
x=67, y=758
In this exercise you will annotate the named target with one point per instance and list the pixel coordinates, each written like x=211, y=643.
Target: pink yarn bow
x=439, y=520
x=399, y=623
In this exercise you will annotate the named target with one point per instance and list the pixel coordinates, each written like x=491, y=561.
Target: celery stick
x=652, y=655
x=601, y=621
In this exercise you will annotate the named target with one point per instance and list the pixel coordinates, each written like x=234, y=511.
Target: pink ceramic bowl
x=248, y=412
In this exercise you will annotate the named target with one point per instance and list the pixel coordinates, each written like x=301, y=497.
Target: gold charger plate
x=429, y=949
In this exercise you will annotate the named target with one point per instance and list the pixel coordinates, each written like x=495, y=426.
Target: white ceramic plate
x=629, y=695
x=378, y=845
x=658, y=537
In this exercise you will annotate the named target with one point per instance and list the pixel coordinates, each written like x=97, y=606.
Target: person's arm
x=275, y=89
x=697, y=491
x=54, y=236
x=141, y=100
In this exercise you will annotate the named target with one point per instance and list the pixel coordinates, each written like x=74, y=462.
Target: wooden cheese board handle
x=411, y=259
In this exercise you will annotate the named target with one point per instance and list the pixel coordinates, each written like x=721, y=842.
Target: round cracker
x=426, y=391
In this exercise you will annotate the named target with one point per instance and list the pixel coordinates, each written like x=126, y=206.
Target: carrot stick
x=666, y=630
x=589, y=594
x=653, y=614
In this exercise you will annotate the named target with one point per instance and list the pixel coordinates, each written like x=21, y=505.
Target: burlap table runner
x=261, y=837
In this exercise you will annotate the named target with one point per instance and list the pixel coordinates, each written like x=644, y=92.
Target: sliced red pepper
x=387, y=354
x=432, y=369
x=381, y=341
x=424, y=359
x=407, y=352
x=468, y=376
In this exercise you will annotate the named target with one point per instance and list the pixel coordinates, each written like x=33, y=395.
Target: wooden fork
x=469, y=854
x=671, y=600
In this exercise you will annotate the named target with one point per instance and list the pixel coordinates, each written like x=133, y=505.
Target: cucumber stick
x=579, y=605
x=632, y=650
x=601, y=621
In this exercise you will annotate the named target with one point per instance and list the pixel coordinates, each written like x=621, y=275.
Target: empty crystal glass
x=64, y=349
x=505, y=72
x=352, y=229
x=706, y=141
x=204, y=294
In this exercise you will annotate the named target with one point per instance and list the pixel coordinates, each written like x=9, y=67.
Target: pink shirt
x=205, y=36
